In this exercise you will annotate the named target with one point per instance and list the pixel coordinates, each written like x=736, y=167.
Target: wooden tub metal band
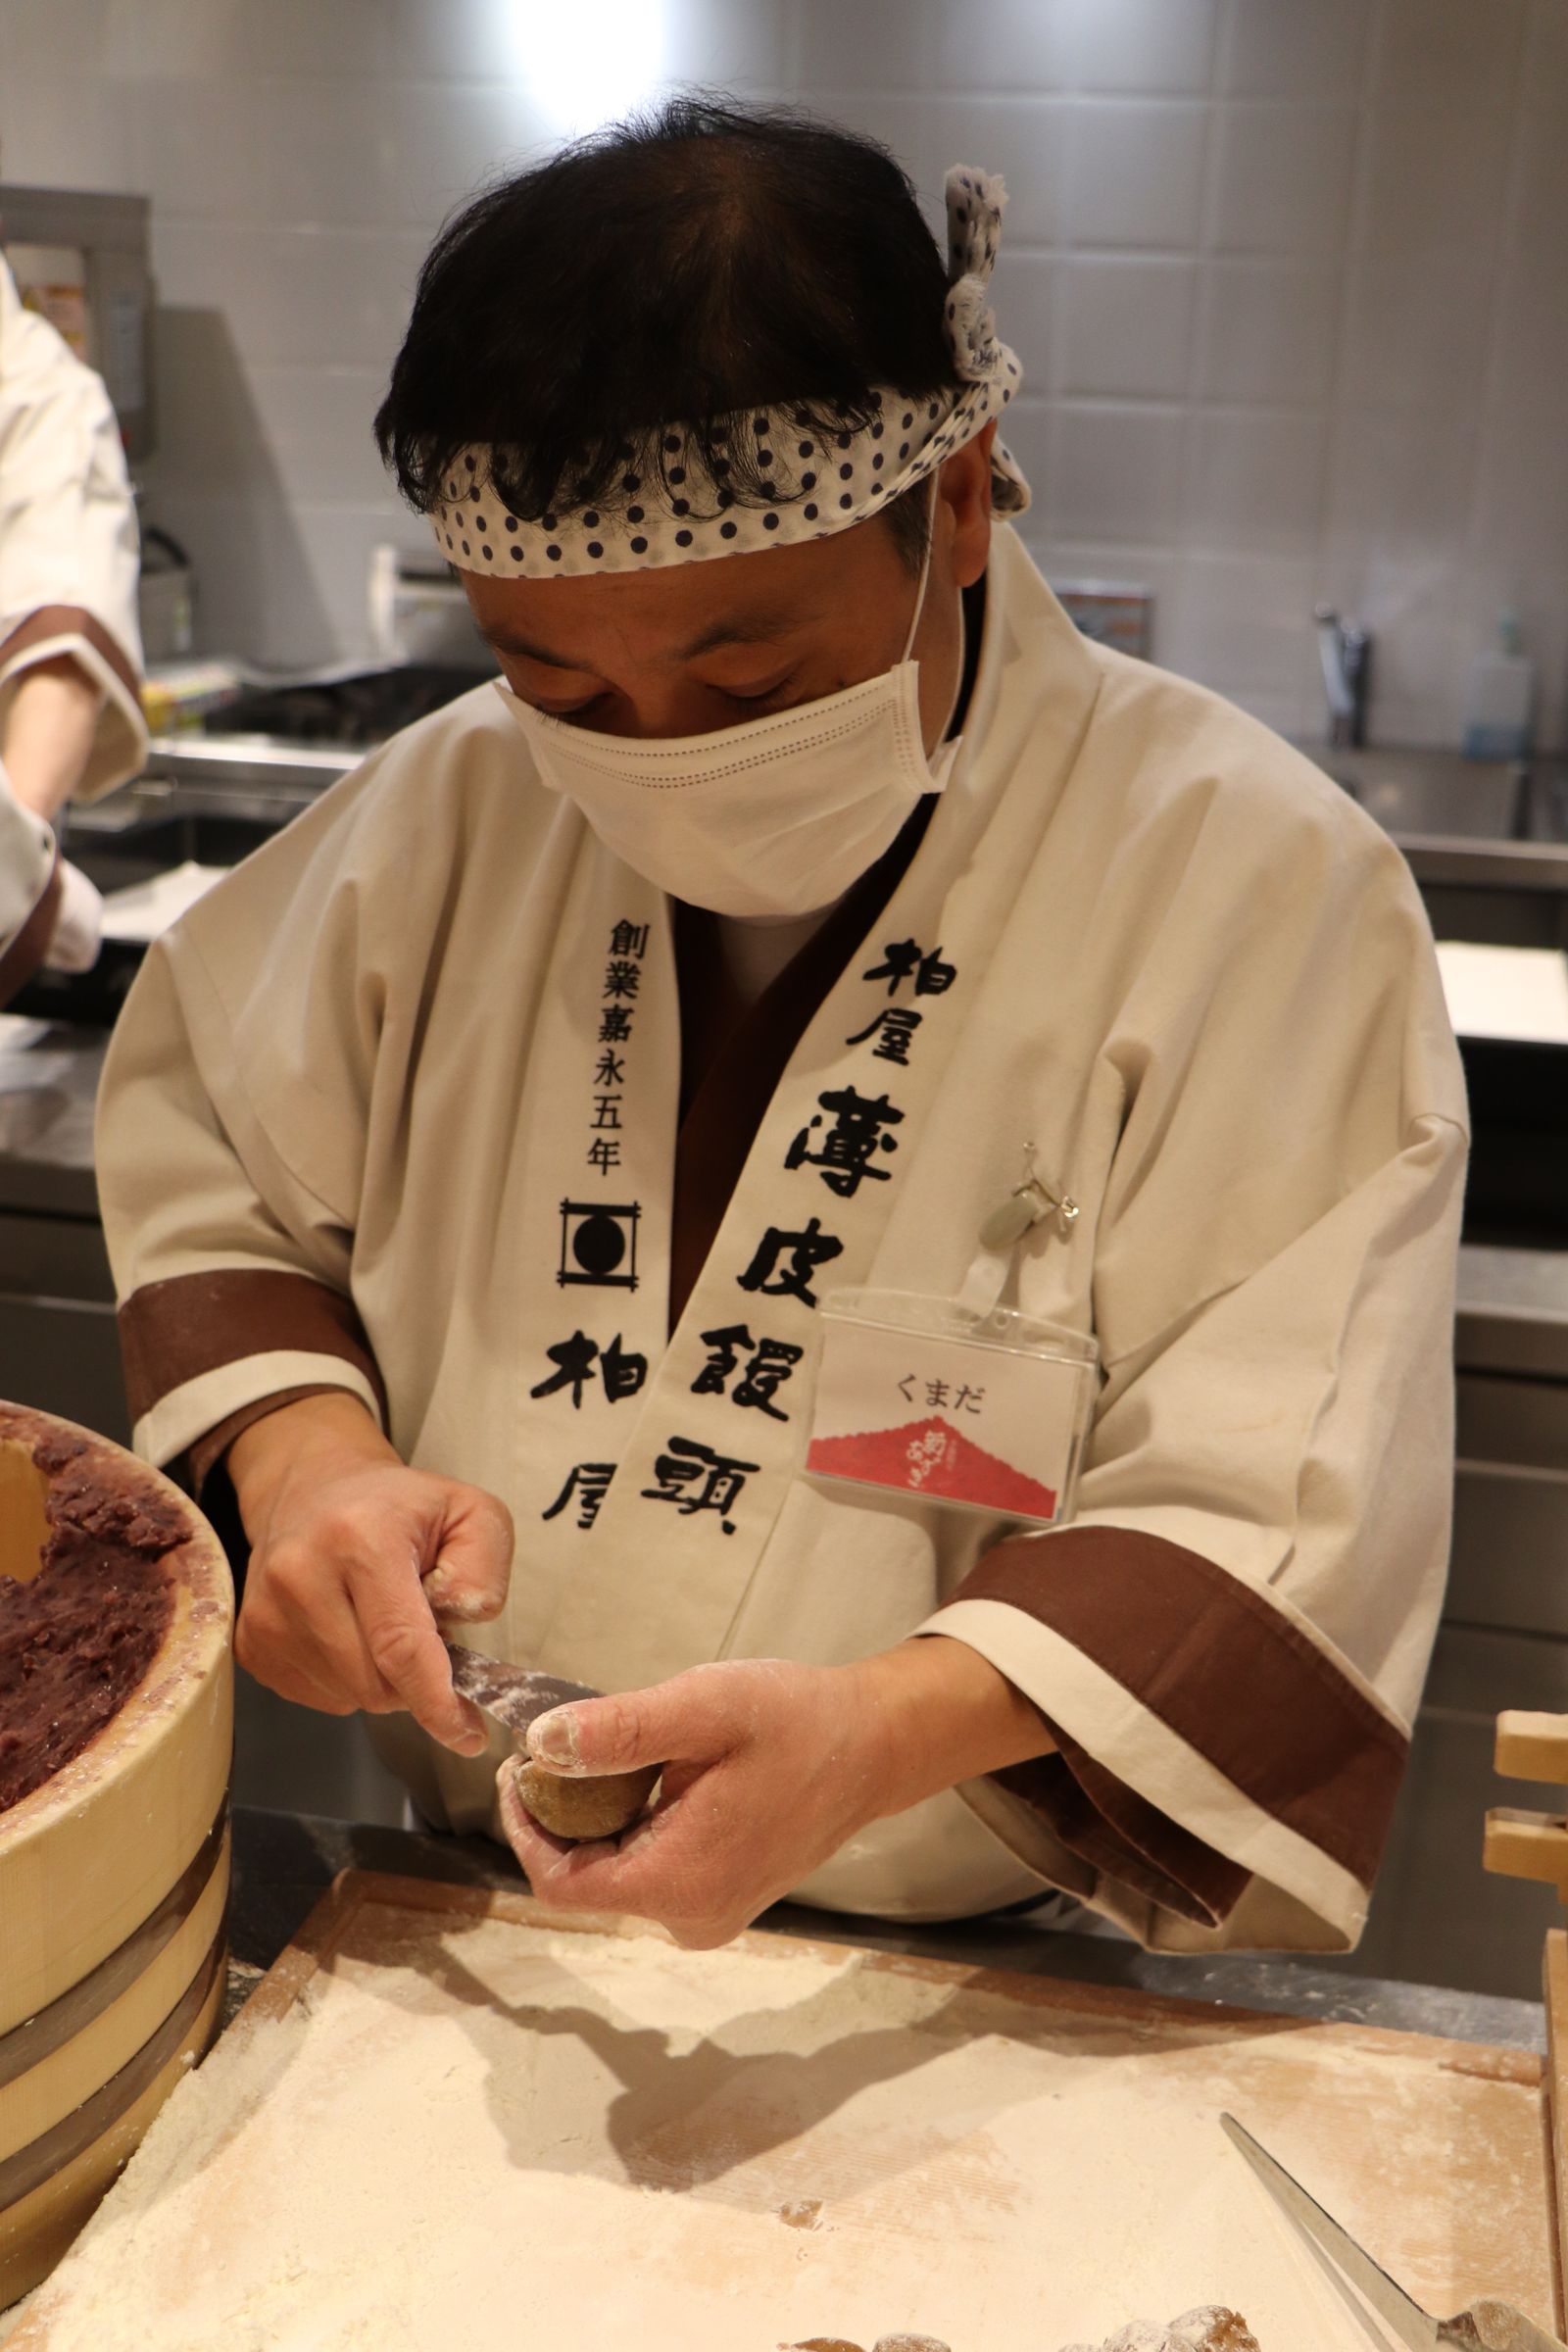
x=42, y=2158
x=36, y=2038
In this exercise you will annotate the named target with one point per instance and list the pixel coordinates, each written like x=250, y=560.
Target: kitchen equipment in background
x=1516, y=1197
x=1499, y=704
x=1420, y=794
x=215, y=791
x=1115, y=613
x=418, y=612
x=1345, y=652
x=82, y=261
x=52, y=279
x=1499, y=908
x=1531, y=1745
x=166, y=597
x=348, y=708
x=178, y=697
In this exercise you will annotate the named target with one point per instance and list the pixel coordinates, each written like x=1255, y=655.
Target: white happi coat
x=1185, y=967
x=68, y=570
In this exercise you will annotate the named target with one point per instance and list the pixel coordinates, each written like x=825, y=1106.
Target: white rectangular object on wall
x=1505, y=992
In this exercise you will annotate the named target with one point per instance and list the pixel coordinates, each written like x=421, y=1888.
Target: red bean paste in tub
x=77, y=1639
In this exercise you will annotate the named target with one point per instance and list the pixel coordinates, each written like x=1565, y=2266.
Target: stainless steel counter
x=47, y=1093
x=58, y=1344
x=1476, y=825
x=1513, y=1311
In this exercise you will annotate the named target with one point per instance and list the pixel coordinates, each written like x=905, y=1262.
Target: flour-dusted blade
x=1484, y=2326
x=1411, y=2323
x=514, y=1694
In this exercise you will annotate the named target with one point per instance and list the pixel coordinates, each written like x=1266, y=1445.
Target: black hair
x=684, y=267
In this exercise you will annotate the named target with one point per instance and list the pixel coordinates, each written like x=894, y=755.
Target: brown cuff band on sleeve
x=1228, y=1672
x=173, y=1332
x=1108, y=1826
x=71, y=621
x=28, y=950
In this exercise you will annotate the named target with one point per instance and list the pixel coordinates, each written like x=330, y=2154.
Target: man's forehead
x=676, y=611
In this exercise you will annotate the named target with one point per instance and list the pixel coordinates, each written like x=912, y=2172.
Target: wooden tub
x=114, y=1872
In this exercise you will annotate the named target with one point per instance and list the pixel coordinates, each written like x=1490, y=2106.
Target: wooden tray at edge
x=1554, y=2110
x=352, y=1891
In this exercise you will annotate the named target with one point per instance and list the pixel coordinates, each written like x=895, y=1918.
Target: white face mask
x=776, y=816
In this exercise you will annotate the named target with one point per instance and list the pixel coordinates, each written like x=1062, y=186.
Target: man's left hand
x=769, y=1767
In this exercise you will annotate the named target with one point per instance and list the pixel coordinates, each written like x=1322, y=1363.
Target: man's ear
x=966, y=491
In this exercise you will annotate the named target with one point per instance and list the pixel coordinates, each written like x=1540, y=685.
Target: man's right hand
x=353, y=1555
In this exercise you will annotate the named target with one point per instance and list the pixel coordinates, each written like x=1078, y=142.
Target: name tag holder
x=979, y=1406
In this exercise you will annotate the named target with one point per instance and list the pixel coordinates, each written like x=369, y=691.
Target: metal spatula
x=514, y=1694
x=1484, y=2326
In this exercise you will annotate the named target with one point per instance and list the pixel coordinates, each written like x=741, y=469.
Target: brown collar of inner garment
x=732, y=1057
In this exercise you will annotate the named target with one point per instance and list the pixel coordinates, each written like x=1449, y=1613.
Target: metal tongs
x=1484, y=2326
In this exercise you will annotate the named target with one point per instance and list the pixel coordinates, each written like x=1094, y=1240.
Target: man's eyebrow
x=506, y=641
x=758, y=628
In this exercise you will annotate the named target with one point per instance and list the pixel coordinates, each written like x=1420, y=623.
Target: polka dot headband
x=815, y=482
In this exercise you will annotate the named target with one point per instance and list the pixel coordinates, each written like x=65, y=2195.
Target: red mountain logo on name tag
x=931, y=1458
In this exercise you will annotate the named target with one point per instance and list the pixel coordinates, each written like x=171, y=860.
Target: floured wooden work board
x=450, y=2119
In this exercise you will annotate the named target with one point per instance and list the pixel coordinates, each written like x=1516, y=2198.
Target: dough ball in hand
x=579, y=1809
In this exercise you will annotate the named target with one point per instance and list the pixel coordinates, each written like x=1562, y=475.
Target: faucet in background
x=1346, y=654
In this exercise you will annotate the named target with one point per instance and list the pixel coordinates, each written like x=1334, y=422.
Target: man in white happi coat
x=70, y=722
x=812, y=909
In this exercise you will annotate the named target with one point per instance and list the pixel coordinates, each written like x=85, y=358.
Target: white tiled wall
x=1289, y=278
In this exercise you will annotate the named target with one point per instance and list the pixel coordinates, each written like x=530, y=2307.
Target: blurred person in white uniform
x=71, y=721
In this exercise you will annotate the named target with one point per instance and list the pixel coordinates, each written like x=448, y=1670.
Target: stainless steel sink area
x=1427, y=794
x=166, y=829
x=1487, y=843
x=203, y=801
x=192, y=805
x=1494, y=830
